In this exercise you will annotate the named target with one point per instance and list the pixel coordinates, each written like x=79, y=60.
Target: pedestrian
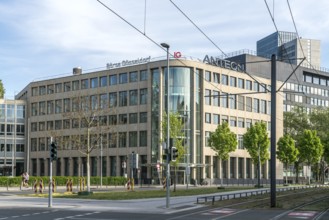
x=27, y=179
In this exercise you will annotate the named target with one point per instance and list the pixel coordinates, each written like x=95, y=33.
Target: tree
x=177, y=134
x=257, y=143
x=295, y=121
x=310, y=148
x=2, y=90
x=89, y=125
x=287, y=153
x=223, y=141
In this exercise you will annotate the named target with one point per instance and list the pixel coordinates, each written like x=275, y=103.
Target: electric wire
x=200, y=75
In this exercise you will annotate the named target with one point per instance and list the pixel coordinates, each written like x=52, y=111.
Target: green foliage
x=257, y=143
x=175, y=132
x=295, y=122
x=223, y=141
x=2, y=90
x=61, y=180
x=310, y=147
x=287, y=153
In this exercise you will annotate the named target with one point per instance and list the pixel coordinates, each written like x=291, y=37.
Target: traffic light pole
x=50, y=196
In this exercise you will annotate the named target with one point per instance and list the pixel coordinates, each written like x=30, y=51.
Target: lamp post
x=168, y=136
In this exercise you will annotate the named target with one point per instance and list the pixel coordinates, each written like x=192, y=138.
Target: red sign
x=177, y=54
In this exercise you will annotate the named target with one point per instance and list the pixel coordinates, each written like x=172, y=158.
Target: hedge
x=61, y=180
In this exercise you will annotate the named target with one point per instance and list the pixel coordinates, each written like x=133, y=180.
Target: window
x=75, y=123
x=216, y=98
x=224, y=79
x=248, y=85
x=232, y=101
x=248, y=123
x=216, y=78
x=123, y=98
x=207, y=76
x=224, y=119
x=133, y=118
x=10, y=129
x=67, y=86
x=34, y=91
x=256, y=105
x=207, y=97
x=248, y=104
x=123, y=119
x=133, y=139
x=224, y=100
x=94, y=102
x=50, y=89
x=133, y=97
x=241, y=83
x=233, y=121
x=58, y=106
x=34, y=127
x=122, y=139
x=216, y=119
x=42, y=108
x=84, y=84
x=50, y=125
x=112, y=140
x=143, y=75
x=143, y=96
x=67, y=105
x=66, y=124
x=34, y=109
x=112, y=120
x=93, y=83
x=241, y=122
x=232, y=81
x=241, y=102
x=113, y=99
x=208, y=118
x=123, y=78
x=256, y=86
x=20, y=130
x=207, y=136
x=113, y=80
x=42, y=126
x=42, y=90
x=133, y=76
x=75, y=85
x=143, y=138
x=103, y=81
x=50, y=107
x=143, y=117
x=103, y=101
x=263, y=106
x=240, y=142
x=58, y=87
x=58, y=124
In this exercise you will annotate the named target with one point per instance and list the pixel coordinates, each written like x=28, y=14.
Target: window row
x=95, y=82
x=8, y=111
x=11, y=129
x=316, y=79
x=93, y=102
x=131, y=118
x=306, y=89
x=238, y=102
x=235, y=82
x=306, y=100
x=110, y=140
x=9, y=147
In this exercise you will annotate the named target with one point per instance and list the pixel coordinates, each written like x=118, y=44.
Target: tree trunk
x=88, y=172
x=286, y=173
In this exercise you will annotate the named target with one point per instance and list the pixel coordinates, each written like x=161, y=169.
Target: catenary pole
x=273, y=131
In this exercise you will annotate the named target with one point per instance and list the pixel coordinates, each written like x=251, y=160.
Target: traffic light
x=53, y=151
x=174, y=153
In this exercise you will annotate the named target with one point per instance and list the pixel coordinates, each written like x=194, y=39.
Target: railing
x=227, y=196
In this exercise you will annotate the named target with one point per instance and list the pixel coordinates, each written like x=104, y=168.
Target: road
x=17, y=207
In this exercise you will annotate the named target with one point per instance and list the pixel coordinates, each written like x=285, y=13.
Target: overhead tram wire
x=200, y=75
x=188, y=18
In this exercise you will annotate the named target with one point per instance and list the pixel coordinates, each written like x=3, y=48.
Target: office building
x=131, y=98
x=12, y=137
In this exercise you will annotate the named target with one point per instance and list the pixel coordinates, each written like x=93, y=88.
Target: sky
x=42, y=39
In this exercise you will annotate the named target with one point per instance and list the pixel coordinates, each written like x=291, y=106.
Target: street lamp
x=168, y=160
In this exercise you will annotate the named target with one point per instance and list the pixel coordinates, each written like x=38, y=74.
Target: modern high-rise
x=129, y=101
x=290, y=49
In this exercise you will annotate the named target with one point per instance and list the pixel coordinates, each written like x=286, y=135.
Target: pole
x=273, y=131
x=50, y=196
x=101, y=161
